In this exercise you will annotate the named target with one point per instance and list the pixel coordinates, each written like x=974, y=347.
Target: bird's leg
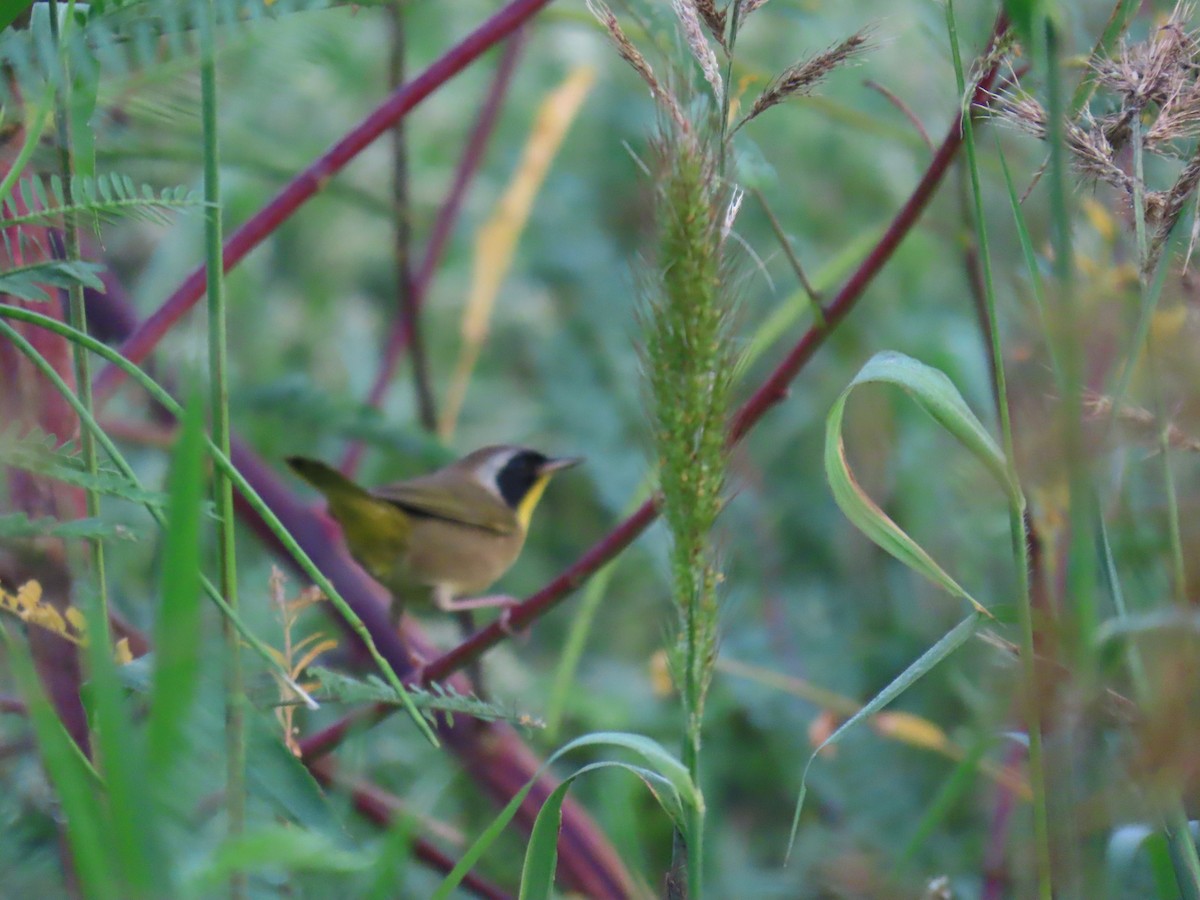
x=449, y=604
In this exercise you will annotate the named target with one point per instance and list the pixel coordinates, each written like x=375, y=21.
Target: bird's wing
x=466, y=504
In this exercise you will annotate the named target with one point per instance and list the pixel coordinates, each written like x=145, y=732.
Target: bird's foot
x=504, y=621
x=490, y=602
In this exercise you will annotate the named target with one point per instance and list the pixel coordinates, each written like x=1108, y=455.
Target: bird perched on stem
x=451, y=533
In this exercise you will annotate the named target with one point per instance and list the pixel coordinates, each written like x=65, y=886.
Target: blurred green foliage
x=804, y=594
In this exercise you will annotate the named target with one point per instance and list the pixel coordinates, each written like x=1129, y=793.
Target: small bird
x=452, y=532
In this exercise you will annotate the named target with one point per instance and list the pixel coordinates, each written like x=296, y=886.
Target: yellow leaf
x=660, y=674
x=122, y=654
x=307, y=597
x=303, y=662
x=29, y=596
x=1101, y=220
x=46, y=616
x=497, y=240
x=75, y=617
x=1167, y=322
x=910, y=729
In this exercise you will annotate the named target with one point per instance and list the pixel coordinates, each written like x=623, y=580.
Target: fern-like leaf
x=438, y=698
x=19, y=525
x=30, y=282
x=40, y=454
x=119, y=37
x=106, y=197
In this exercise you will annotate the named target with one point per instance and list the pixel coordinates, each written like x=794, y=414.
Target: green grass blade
x=177, y=630
x=949, y=642
x=131, y=798
x=573, y=647
x=1030, y=257
x=11, y=10
x=955, y=787
x=76, y=782
x=274, y=847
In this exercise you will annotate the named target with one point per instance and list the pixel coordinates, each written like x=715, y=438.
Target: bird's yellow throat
x=530, y=500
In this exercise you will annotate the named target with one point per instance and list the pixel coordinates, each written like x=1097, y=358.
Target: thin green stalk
x=222, y=462
x=1145, y=314
x=1139, y=194
x=790, y=254
x=235, y=702
x=401, y=215
x=76, y=313
x=106, y=444
x=1118, y=21
x=1020, y=545
x=735, y=13
x=1081, y=565
x=1185, y=857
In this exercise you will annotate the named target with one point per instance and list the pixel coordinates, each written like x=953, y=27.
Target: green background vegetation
x=804, y=594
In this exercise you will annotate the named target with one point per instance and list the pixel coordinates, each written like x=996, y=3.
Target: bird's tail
x=326, y=479
x=375, y=529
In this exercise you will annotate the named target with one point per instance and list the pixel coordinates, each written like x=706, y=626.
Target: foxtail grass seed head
x=731, y=212
x=689, y=20
x=1149, y=91
x=689, y=368
x=1092, y=154
x=714, y=20
x=800, y=79
x=631, y=55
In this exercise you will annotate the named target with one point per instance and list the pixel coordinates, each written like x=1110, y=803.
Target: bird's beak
x=551, y=466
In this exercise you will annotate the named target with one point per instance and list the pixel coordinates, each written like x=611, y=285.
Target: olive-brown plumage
x=445, y=535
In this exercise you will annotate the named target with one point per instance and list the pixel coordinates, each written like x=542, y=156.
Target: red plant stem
x=380, y=807
x=996, y=880
x=305, y=185
x=443, y=227
x=771, y=392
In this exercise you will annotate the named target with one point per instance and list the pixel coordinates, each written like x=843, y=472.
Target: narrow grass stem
x=1149, y=298
x=735, y=13
x=790, y=254
x=235, y=703
x=1178, y=831
x=409, y=303
x=76, y=312
x=1020, y=545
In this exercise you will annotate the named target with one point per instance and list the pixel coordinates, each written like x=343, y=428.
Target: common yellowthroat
x=453, y=532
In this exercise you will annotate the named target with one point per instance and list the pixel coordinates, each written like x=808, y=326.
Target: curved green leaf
x=541, y=854
x=667, y=778
x=935, y=393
